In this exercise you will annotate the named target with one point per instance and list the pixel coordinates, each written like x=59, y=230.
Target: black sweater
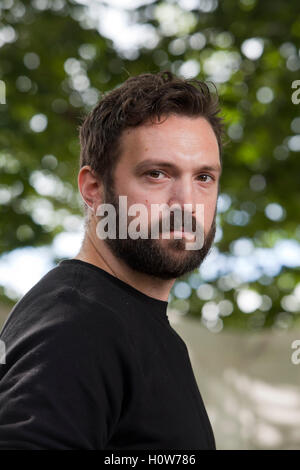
x=93, y=363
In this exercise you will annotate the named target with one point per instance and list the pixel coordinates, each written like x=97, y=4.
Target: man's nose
x=183, y=192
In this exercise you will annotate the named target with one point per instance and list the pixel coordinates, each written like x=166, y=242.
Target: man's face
x=165, y=163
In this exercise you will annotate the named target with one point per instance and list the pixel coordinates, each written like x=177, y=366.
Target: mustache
x=180, y=225
x=163, y=222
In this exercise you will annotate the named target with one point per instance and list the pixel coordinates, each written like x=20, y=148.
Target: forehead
x=179, y=139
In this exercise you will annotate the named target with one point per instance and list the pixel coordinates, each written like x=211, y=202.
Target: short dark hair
x=139, y=99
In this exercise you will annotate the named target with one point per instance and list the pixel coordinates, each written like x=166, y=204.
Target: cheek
x=145, y=213
x=209, y=212
x=208, y=220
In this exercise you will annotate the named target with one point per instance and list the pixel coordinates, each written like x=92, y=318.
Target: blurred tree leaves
x=56, y=64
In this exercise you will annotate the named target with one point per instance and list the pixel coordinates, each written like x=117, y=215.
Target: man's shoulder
x=54, y=326
x=57, y=300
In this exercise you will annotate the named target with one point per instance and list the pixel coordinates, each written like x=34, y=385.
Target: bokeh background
x=240, y=312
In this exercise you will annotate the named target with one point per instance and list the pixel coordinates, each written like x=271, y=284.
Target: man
x=92, y=361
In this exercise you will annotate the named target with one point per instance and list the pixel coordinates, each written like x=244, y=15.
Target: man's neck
x=102, y=257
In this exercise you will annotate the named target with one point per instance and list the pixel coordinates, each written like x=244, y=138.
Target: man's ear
x=90, y=187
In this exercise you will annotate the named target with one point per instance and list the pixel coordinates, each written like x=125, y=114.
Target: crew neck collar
x=156, y=305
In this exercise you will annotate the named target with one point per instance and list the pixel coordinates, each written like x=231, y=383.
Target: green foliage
x=48, y=47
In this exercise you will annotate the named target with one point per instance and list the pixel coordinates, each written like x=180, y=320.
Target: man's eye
x=205, y=176
x=154, y=173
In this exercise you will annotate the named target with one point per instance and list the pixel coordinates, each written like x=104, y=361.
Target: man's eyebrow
x=146, y=163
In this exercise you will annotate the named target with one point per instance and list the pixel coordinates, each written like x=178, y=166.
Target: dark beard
x=149, y=256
